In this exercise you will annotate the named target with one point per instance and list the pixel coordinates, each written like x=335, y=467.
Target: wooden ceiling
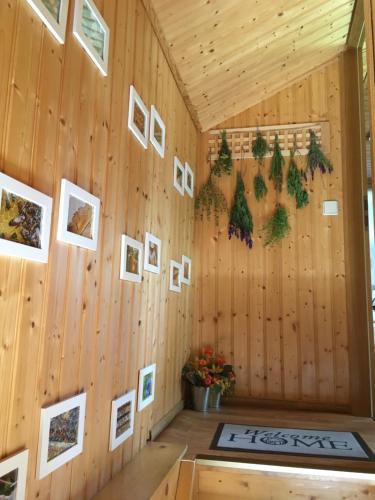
x=231, y=54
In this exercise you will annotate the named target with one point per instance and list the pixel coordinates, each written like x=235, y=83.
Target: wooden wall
x=281, y=314
x=72, y=325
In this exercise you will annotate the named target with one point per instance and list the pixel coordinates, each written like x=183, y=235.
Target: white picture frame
x=35, y=202
x=97, y=51
x=45, y=464
x=117, y=438
x=146, y=376
x=55, y=22
x=17, y=463
x=178, y=176
x=70, y=194
x=173, y=267
x=156, y=119
x=129, y=261
x=189, y=180
x=186, y=277
x=136, y=101
x=149, y=265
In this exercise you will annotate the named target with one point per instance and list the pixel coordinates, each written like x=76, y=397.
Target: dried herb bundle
x=223, y=165
x=260, y=148
x=277, y=227
x=294, y=182
x=241, y=221
x=210, y=199
x=260, y=187
x=276, y=174
x=316, y=158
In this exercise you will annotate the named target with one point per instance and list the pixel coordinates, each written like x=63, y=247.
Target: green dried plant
x=223, y=164
x=294, y=182
x=210, y=199
x=277, y=227
x=260, y=148
x=316, y=158
x=260, y=187
x=241, y=221
x=277, y=163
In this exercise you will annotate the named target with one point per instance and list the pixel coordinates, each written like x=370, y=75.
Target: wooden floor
x=196, y=430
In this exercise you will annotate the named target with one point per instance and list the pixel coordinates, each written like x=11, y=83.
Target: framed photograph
x=186, y=270
x=138, y=117
x=179, y=176
x=175, y=275
x=131, y=259
x=157, y=132
x=92, y=32
x=54, y=14
x=146, y=389
x=189, y=180
x=25, y=220
x=61, y=434
x=152, y=253
x=13, y=473
x=79, y=216
x=122, y=419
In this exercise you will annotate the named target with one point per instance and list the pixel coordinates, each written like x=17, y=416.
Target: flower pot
x=214, y=399
x=200, y=398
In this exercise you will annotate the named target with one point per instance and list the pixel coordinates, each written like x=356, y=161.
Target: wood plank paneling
x=295, y=345
x=72, y=325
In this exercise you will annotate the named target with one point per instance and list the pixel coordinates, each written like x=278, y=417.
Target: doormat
x=307, y=442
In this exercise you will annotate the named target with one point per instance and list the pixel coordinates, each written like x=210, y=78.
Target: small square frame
x=19, y=462
x=177, y=166
x=155, y=117
x=114, y=441
x=57, y=28
x=142, y=403
x=186, y=280
x=69, y=189
x=46, y=466
x=189, y=173
x=134, y=98
x=14, y=249
x=172, y=287
x=150, y=238
x=124, y=274
x=85, y=41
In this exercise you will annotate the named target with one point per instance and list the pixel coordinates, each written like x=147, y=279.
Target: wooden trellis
x=242, y=138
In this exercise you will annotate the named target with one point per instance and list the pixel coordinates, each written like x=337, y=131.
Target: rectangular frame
x=125, y=275
x=14, y=249
x=134, y=98
x=69, y=189
x=114, y=441
x=85, y=41
x=147, y=266
x=177, y=165
x=58, y=29
x=142, y=374
x=19, y=462
x=186, y=260
x=172, y=287
x=189, y=172
x=45, y=466
x=155, y=117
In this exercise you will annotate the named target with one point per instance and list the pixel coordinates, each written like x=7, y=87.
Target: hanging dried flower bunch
x=277, y=163
x=316, y=158
x=260, y=187
x=210, y=199
x=260, y=149
x=223, y=164
x=241, y=221
x=294, y=182
x=277, y=227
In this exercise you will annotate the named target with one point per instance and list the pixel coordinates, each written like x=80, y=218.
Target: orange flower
x=202, y=362
x=208, y=351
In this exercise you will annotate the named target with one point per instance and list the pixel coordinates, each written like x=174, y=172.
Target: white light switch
x=330, y=207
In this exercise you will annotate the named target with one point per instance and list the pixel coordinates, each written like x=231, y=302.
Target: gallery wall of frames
x=97, y=166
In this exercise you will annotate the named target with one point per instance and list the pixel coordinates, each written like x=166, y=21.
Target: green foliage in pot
x=277, y=163
x=316, y=158
x=277, y=227
x=260, y=187
x=223, y=164
x=294, y=182
x=210, y=199
x=240, y=220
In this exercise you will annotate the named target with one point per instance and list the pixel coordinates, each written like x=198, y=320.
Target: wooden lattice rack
x=242, y=138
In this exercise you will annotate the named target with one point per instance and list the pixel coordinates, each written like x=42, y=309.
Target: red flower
x=207, y=381
x=220, y=360
x=202, y=362
x=208, y=351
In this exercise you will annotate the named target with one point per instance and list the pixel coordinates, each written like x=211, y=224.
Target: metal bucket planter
x=200, y=398
x=214, y=399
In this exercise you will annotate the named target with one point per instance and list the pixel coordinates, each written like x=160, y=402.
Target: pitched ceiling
x=230, y=54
